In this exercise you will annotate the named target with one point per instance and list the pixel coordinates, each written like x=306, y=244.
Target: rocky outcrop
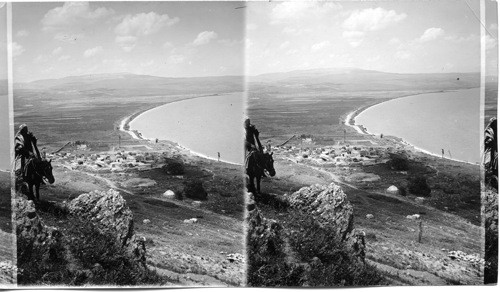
x=108, y=210
x=110, y=214
x=327, y=204
x=294, y=253
x=264, y=235
x=29, y=226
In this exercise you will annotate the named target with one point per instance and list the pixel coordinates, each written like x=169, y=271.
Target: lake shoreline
x=136, y=135
x=350, y=121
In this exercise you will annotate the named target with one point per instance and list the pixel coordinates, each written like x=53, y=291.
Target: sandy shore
x=125, y=127
x=350, y=121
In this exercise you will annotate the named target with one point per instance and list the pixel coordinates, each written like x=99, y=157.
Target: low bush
x=417, y=185
x=193, y=189
x=306, y=254
x=398, y=162
x=173, y=167
x=83, y=256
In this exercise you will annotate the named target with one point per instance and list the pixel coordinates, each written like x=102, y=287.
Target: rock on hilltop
x=327, y=204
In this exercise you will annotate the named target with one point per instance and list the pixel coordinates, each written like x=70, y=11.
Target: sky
x=183, y=39
x=390, y=36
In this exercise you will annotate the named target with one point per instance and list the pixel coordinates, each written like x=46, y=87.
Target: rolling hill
x=349, y=79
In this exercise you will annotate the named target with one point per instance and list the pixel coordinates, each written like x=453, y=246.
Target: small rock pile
x=235, y=257
x=460, y=255
x=7, y=266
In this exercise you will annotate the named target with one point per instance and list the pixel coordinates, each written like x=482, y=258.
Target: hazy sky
x=53, y=40
x=392, y=36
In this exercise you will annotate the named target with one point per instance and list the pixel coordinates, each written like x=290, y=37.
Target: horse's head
x=269, y=163
x=45, y=168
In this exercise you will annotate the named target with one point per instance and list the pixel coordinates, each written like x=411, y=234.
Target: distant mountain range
x=320, y=79
x=134, y=84
x=354, y=79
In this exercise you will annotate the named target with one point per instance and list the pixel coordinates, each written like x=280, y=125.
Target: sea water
x=205, y=125
x=434, y=122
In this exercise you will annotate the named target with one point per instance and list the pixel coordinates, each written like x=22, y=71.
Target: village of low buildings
x=114, y=161
x=337, y=155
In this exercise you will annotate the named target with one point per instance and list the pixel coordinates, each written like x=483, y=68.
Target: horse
x=34, y=174
x=256, y=167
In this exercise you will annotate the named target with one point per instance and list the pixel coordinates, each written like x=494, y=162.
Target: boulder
x=420, y=200
x=190, y=221
x=108, y=210
x=110, y=214
x=169, y=194
x=413, y=217
x=392, y=190
x=328, y=204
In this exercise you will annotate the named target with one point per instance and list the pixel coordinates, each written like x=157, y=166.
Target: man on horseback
x=252, y=142
x=26, y=150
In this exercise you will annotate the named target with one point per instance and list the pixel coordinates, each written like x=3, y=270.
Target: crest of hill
x=138, y=83
x=354, y=79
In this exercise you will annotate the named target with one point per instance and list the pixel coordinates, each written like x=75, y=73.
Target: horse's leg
x=251, y=185
x=37, y=188
x=31, y=196
x=258, y=184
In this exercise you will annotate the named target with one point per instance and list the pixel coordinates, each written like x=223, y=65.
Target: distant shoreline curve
x=125, y=127
x=350, y=121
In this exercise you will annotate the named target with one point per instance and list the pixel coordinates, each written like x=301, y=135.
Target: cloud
x=354, y=38
x=293, y=11
x=431, y=34
x=320, y=46
x=68, y=37
x=92, y=52
x=147, y=64
x=40, y=59
x=17, y=49
x=176, y=59
x=57, y=51
x=73, y=14
x=394, y=41
x=127, y=43
x=168, y=45
x=144, y=24
x=372, y=19
x=284, y=45
x=22, y=33
x=489, y=42
x=64, y=58
x=252, y=26
x=204, y=38
x=403, y=55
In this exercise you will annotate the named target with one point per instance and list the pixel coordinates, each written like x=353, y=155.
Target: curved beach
x=200, y=125
x=468, y=118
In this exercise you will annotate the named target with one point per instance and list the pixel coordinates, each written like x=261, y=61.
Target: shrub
x=193, y=189
x=401, y=190
x=110, y=262
x=173, y=167
x=40, y=262
x=418, y=186
x=398, y=162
